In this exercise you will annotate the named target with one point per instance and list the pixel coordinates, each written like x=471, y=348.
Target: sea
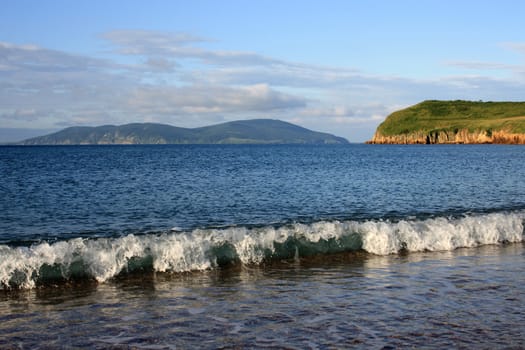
x=262, y=247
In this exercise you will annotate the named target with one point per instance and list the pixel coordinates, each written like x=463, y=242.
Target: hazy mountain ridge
x=257, y=131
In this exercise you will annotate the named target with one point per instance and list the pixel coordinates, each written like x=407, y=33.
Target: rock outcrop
x=450, y=137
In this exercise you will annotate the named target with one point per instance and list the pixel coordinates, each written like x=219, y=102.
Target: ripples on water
x=286, y=236
x=53, y=193
x=467, y=298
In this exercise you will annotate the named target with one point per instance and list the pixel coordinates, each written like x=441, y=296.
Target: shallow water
x=466, y=298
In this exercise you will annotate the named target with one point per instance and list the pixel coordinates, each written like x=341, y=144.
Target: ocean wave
x=101, y=259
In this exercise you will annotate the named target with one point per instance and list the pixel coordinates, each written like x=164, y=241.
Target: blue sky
x=334, y=66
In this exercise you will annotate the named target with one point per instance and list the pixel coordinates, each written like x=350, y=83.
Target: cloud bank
x=175, y=78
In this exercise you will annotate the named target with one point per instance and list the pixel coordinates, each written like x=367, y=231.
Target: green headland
x=459, y=121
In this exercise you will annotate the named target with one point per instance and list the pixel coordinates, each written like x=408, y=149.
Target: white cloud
x=28, y=114
x=180, y=46
x=160, y=65
x=65, y=89
x=210, y=99
x=30, y=58
x=477, y=65
x=514, y=70
x=147, y=42
x=174, y=78
x=514, y=46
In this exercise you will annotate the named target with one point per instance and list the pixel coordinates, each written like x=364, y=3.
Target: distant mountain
x=258, y=131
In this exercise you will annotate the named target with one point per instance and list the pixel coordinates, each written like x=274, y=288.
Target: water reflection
x=465, y=298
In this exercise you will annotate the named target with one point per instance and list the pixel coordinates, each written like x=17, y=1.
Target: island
x=255, y=131
x=456, y=122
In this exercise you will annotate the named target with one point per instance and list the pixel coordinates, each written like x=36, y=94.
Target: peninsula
x=468, y=122
x=257, y=131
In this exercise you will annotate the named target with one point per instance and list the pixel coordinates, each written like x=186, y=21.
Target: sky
x=334, y=66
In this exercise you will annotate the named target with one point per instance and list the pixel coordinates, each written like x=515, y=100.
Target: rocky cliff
x=463, y=136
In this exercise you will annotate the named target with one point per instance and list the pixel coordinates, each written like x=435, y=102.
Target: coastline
x=463, y=136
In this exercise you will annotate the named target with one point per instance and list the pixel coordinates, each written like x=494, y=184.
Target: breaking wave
x=101, y=259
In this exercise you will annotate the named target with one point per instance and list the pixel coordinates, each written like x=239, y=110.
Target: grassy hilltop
x=455, y=122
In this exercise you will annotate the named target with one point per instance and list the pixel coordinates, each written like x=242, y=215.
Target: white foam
x=104, y=258
x=440, y=233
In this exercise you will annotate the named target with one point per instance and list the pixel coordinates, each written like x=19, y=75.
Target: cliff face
x=463, y=136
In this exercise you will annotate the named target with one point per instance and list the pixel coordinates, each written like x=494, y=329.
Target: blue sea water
x=215, y=232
